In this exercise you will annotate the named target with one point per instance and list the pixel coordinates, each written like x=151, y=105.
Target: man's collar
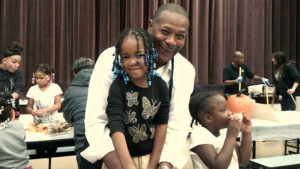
x=168, y=65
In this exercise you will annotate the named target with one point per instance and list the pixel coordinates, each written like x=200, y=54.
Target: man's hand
x=239, y=79
x=265, y=81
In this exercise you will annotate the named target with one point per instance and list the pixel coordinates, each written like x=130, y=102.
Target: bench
x=278, y=162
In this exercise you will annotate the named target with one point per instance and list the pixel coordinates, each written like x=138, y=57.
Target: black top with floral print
x=135, y=111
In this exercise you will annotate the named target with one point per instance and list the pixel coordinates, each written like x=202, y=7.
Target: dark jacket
x=287, y=79
x=74, y=104
x=11, y=83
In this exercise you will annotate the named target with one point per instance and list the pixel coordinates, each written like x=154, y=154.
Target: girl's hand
x=34, y=112
x=247, y=125
x=234, y=126
x=290, y=91
x=41, y=111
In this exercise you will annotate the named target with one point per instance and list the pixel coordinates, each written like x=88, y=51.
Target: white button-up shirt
x=97, y=132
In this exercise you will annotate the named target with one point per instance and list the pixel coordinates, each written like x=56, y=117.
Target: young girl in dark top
x=138, y=103
x=11, y=77
x=210, y=146
x=287, y=80
x=13, y=148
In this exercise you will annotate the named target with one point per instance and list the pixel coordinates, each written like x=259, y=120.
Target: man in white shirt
x=168, y=28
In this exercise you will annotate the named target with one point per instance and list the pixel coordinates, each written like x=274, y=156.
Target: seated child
x=210, y=147
x=44, y=99
x=138, y=102
x=13, y=148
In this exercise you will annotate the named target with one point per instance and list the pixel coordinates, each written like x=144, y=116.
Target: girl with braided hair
x=44, y=98
x=138, y=102
x=13, y=148
x=210, y=146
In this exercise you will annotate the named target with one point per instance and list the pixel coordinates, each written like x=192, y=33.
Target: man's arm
x=179, y=116
x=95, y=118
x=226, y=78
x=229, y=82
x=256, y=78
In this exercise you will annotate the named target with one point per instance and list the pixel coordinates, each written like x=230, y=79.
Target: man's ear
x=149, y=25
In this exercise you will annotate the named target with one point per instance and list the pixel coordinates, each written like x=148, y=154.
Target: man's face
x=169, y=32
x=239, y=59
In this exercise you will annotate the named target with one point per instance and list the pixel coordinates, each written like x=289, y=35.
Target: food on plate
x=56, y=127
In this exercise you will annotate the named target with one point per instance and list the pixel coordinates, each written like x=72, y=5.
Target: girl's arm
x=244, y=151
x=51, y=109
x=159, y=141
x=29, y=107
x=221, y=160
x=120, y=145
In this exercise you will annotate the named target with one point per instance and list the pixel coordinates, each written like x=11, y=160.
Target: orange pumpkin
x=240, y=104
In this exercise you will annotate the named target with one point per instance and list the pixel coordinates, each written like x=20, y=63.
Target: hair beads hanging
x=150, y=54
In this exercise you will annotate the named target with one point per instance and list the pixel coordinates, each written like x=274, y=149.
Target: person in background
x=13, y=150
x=286, y=79
x=231, y=78
x=74, y=108
x=169, y=29
x=44, y=98
x=210, y=147
x=11, y=77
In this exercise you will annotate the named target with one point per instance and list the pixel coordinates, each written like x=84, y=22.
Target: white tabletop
x=280, y=161
x=287, y=128
x=25, y=119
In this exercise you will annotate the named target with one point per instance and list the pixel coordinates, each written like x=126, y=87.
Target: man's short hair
x=83, y=63
x=172, y=7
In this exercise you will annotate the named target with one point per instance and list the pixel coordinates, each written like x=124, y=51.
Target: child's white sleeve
x=57, y=90
x=199, y=136
x=30, y=93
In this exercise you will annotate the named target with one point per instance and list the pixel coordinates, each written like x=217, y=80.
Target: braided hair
x=200, y=103
x=45, y=68
x=150, y=53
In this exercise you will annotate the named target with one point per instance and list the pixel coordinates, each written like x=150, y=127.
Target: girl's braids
x=150, y=53
x=200, y=103
x=45, y=68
